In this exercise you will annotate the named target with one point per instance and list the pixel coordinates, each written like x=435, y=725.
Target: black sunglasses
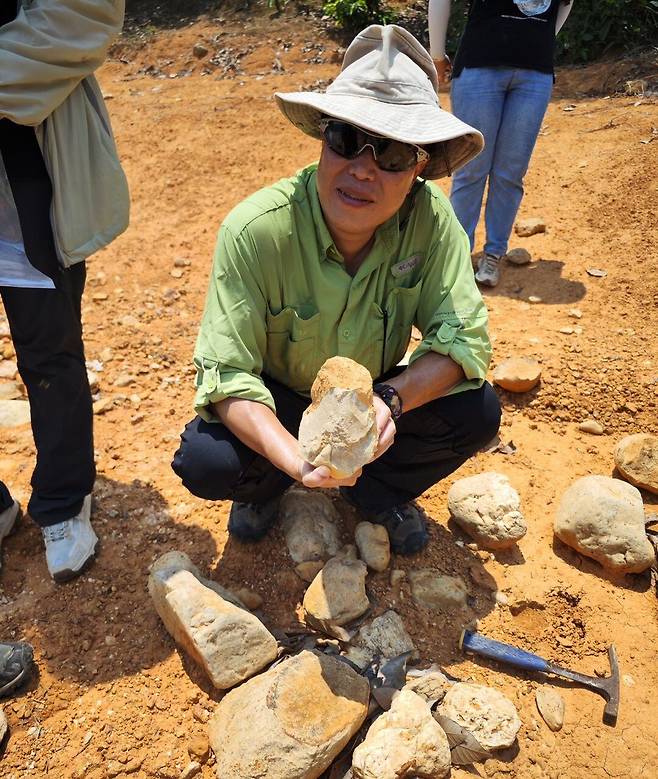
x=349, y=141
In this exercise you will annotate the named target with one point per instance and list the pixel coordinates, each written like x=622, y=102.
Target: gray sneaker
x=7, y=521
x=70, y=545
x=488, y=272
x=16, y=660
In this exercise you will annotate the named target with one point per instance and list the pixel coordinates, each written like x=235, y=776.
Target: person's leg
x=6, y=501
x=477, y=98
x=523, y=113
x=431, y=442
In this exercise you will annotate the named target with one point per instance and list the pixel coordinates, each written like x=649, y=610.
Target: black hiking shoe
x=252, y=521
x=15, y=665
x=406, y=527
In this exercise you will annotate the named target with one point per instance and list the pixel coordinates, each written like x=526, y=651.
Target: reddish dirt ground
x=114, y=696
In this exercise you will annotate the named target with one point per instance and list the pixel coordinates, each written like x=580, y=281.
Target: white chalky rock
x=173, y=561
x=337, y=595
x=373, y=544
x=290, y=722
x=229, y=643
x=603, y=518
x=385, y=637
x=636, y=457
x=530, y=226
x=14, y=413
x=487, y=713
x=339, y=428
x=487, y=507
x=309, y=522
x=404, y=742
x=431, y=686
x=437, y=592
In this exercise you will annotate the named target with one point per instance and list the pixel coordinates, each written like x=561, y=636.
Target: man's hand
x=443, y=69
x=385, y=425
x=310, y=476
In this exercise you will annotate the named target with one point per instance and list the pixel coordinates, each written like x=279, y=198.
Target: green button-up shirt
x=280, y=301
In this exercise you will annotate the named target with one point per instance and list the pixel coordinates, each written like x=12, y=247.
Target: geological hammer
x=608, y=686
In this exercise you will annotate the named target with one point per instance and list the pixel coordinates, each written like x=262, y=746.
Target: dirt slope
x=114, y=696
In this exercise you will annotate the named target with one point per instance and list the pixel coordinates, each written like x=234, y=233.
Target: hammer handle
x=478, y=644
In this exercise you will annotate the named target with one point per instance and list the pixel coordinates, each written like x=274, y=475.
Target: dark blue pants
x=431, y=442
x=46, y=331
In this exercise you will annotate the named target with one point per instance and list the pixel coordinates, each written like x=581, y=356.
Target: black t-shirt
x=504, y=33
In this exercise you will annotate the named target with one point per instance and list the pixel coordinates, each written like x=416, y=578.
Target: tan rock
x=402, y=743
x=14, y=413
x=431, y=686
x=337, y=595
x=603, y=518
x=339, y=428
x=550, y=705
x=519, y=257
x=526, y=227
x=252, y=600
x=174, y=560
x=437, y=592
x=290, y=722
x=8, y=369
x=591, y=426
x=373, y=544
x=518, y=374
x=636, y=458
x=488, y=508
x=228, y=642
x=310, y=525
x=385, y=637
x=10, y=390
x=3, y=725
x=487, y=713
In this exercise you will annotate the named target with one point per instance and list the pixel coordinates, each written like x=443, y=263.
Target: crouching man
x=342, y=259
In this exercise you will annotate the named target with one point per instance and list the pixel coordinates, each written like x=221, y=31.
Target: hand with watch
x=388, y=408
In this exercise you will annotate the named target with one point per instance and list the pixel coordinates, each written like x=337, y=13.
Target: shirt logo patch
x=406, y=266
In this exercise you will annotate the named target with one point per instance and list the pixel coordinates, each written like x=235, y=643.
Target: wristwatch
x=390, y=396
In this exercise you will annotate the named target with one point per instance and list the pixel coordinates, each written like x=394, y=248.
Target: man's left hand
x=385, y=425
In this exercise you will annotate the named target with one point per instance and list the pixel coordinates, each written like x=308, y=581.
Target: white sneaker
x=70, y=545
x=7, y=521
x=488, y=272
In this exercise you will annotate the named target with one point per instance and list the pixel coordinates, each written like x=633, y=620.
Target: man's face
x=356, y=195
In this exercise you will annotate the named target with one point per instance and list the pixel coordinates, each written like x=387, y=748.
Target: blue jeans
x=507, y=105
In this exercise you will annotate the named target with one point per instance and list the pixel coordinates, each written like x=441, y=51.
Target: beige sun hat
x=388, y=85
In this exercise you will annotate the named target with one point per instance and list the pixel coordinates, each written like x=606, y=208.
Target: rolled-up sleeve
x=451, y=314
x=48, y=49
x=232, y=338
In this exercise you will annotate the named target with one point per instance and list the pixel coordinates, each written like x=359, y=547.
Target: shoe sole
x=67, y=574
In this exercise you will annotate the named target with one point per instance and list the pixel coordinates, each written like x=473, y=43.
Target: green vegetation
x=356, y=14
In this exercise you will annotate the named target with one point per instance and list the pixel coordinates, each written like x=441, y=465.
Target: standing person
x=502, y=80
x=63, y=196
x=342, y=259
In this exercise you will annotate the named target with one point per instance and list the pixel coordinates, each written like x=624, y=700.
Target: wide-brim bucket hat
x=388, y=85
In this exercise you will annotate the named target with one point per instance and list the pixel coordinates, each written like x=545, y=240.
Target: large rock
x=518, y=374
x=603, y=518
x=374, y=545
x=437, y=592
x=14, y=413
x=309, y=522
x=337, y=595
x=385, y=637
x=339, y=428
x=487, y=713
x=228, y=642
x=290, y=722
x=487, y=507
x=636, y=458
x=402, y=743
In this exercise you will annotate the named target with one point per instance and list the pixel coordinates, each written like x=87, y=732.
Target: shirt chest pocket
x=399, y=315
x=292, y=354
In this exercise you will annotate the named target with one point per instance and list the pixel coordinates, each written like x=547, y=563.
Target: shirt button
x=346, y=333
